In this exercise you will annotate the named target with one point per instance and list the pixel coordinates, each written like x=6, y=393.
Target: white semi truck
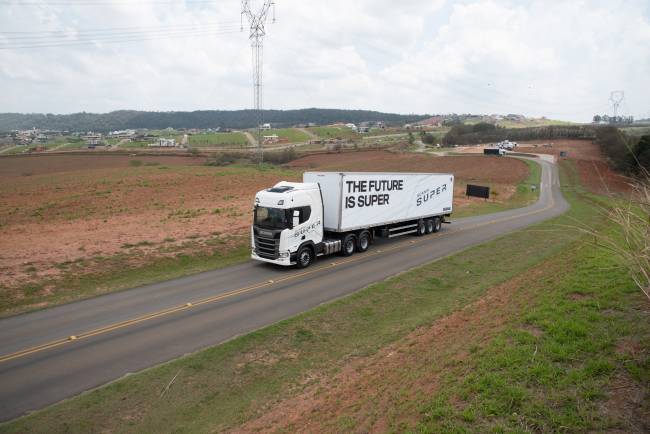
x=343, y=212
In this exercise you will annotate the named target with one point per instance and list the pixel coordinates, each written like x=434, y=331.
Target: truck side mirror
x=296, y=218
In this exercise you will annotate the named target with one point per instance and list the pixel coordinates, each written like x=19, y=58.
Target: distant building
x=164, y=143
x=273, y=138
x=352, y=127
x=122, y=134
x=92, y=139
x=265, y=127
x=363, y=129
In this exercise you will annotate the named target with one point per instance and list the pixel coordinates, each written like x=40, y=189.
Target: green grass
x=335, y=133
x=555, y=364
x=223, y=386
x=218, y=139
x=524, y=195
x=291, y=134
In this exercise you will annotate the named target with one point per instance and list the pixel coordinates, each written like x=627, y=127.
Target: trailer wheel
x=363, y=242
x=430, y=226
x=437, y=224
x=348, y=245
x=305, y=257
x=422, y=228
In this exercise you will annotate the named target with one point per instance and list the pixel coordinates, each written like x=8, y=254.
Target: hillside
x=131, y=119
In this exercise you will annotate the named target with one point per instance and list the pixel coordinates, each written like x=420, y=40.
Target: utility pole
x=256, y=21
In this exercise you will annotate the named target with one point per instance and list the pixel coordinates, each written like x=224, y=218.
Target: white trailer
x=344, y=212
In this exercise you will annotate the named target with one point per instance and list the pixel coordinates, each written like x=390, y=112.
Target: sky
x=559, y=59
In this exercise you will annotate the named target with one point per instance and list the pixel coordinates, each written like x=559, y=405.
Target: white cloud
x=558, y=59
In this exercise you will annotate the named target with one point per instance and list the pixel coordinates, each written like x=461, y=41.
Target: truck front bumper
x=280, y=261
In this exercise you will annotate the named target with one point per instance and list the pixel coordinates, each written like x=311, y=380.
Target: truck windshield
x=271, y=218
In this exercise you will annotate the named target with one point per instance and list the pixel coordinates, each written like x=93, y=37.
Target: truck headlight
x=284, y=254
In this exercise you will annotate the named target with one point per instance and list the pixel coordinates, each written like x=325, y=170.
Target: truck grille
x=266, y=247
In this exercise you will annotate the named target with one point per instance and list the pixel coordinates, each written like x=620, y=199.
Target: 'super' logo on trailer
x=429, y=194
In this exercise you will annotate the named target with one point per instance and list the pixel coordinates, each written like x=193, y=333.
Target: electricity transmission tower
x=256, y=21
x=616, y=98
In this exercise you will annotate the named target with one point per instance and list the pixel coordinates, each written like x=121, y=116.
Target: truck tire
x=422, y=228
x=430, y=225
x=305, y=257
x=437, y=224
x=363, y=242
x=348, y=245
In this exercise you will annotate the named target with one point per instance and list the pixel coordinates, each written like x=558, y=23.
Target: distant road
x=128, y=331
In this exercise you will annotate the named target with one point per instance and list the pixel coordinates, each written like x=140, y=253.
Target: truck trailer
x=343, y=212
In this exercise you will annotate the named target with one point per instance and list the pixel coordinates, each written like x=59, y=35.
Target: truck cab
x=287, y=224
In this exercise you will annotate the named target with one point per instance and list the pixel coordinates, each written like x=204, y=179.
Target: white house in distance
x=265, y=127
x=163, y=143
x=273, y=138
x=352, y=127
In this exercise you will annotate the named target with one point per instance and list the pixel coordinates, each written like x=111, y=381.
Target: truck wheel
x=363, y=242
x=429, y=223
x=348, y=245
x=437, y=224
x=305, y=257
x=422, y=228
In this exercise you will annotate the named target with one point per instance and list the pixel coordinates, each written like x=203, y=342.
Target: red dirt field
x=575, y=149
x=62, y=216
x=29, y=165
x=469, y=168
x=67, y=216
x=595, y=173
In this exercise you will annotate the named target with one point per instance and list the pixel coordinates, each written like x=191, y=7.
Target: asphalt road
x=53, y=354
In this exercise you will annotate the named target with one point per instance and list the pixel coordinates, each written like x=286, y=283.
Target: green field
x=217, y=139
x=334, y=133
x=292, y=134
x=545, y=352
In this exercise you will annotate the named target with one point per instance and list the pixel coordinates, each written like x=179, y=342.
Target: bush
x=226, y=158
x=281, y=157
x=617, y=147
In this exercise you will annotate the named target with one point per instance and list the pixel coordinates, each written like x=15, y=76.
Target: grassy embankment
x=546, y=352
x=523, y=195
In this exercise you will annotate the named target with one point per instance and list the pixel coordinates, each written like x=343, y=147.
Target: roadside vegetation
x=540, y=330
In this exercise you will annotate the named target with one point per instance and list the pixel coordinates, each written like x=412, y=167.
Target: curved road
x=56, y=353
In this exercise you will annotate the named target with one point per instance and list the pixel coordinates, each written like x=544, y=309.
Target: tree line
x=236, y=119
x=484, y=132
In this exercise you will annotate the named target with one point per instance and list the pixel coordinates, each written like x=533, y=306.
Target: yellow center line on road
x=220, y=297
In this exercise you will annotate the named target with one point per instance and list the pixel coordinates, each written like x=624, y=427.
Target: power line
x=65, y=32
x=122, y=38
x=106, y=3
x=72, y=35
